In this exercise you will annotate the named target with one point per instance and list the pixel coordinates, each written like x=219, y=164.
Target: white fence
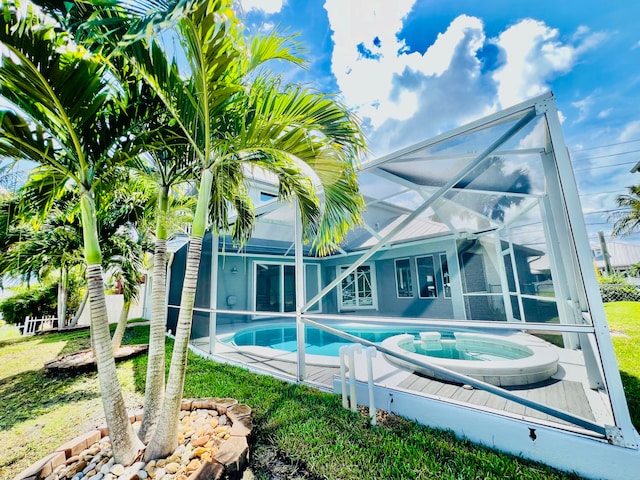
x=33, y=325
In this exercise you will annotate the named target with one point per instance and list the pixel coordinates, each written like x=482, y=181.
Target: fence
x=33, y=325
x=620, y=293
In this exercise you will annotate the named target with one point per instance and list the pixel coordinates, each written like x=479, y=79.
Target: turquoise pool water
x=318, y=342
x=480, y=352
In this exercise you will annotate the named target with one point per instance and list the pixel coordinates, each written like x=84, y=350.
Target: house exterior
x=477, y=231
x=622, y=256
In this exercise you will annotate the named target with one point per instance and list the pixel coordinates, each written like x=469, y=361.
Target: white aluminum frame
x=578, y=299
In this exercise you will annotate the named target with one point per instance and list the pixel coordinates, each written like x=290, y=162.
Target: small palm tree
x=627, y=222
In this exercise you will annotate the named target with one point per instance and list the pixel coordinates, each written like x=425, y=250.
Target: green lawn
x=299, y=427
x=624, y=323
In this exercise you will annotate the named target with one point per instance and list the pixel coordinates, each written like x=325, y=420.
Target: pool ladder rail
x=350, y=398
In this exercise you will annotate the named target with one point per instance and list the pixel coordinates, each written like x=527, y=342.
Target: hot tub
x=502, y=360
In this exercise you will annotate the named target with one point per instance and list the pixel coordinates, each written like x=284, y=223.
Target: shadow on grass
x=33, y=393
x=631, y=386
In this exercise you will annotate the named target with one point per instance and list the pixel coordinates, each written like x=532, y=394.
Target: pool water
x=318, y=342
x=476, y=352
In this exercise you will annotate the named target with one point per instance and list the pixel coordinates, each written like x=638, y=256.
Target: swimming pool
x=507, y=359
x=318, y=342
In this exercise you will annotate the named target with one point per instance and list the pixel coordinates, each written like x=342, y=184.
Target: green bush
x=619, y=293
x=616, y=288
x=34, y=301
x=37, y=301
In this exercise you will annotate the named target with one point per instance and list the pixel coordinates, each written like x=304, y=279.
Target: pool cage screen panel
x=477, y=230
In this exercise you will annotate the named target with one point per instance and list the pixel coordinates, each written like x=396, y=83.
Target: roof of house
x=621, y=255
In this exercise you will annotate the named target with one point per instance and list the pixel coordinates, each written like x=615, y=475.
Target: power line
x=613, y=165
x=599, y=193
x=609, y=145
x=621, y=209
x=609, y=155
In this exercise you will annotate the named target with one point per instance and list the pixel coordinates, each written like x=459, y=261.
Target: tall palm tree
x=167, y=167
x=628, y=221
x=69, y=112
x=232, y=116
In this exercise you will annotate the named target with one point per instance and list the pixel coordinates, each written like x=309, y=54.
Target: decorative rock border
x=232, y=456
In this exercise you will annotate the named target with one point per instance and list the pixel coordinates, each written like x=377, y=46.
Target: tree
x=69, y=111
x=232, y=116
x=628, y=221
x=225, y=112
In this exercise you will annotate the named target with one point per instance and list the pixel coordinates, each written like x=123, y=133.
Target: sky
x=411, y=69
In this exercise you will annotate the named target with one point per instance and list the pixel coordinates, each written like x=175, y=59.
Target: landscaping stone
x=214, y=442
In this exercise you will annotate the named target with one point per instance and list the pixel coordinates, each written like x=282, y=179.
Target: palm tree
x=231, y=116
x=45, y=236
x=68, y=114
x=627, y=222
x=167, y=168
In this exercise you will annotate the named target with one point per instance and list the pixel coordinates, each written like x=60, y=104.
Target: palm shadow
x=29, y=394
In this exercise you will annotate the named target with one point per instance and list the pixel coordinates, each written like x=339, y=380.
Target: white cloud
x=267, y=6
x=583, y=107
x=366, y=81
x=605, y=113
x=406, y=97
x=630, y=132
x=534, y=56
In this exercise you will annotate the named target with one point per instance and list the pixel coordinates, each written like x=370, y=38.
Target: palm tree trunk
x=124, y=442
x=62, y=297
x=116, y=340
x=154, y=386
x=164, y=439
x=83, y=303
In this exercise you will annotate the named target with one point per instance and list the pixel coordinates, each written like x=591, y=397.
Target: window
x=404, y=282
x=446, y=280
x=357, y=290
x=267, y=197
x=426, y=277
x=275, y=286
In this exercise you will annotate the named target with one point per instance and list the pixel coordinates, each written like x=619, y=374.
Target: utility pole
x=605, y=254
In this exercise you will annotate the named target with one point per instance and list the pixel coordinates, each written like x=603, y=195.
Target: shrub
x=33, y=301
x=619, y=293
x=38, y=301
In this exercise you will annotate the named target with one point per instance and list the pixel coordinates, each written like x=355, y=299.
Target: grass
x=624, y=322
x=297, y=427
x=38, y=412
x=8, y=331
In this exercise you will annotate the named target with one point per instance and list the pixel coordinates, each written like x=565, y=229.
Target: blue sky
x=411, y=69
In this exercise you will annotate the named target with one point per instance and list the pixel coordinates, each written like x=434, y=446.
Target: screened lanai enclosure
x=472, y=277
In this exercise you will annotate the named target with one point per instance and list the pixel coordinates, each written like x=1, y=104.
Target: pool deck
x=567, y=390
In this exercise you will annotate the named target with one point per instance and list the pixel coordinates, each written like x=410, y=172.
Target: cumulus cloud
x=630, y=132
x=403, y=97
x=267, y=6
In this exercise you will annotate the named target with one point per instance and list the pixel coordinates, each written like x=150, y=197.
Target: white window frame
x=435, y=273
x=444, y=288
x=374, y=290
x=395, y=271
x=317, y=307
